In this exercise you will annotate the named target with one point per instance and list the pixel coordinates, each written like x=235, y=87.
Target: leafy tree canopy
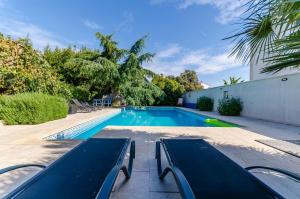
x=85, y=73
x=189, y=80
x=171, y=88
x=23, y=69
x=93, y=73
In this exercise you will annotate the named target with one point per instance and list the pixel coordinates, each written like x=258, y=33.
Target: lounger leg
x=160, y=173
x=158, y=157
x=183, y=185
x=128, y=170
x=164, y=173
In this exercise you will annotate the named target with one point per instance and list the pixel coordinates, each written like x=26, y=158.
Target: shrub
x=172, y=90
x=205, y=104
x=230, y=106
x=24, y=69
x=31, y=108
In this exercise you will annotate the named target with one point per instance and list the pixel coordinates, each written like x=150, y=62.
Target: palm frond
x=257, y=36
x=286, y=55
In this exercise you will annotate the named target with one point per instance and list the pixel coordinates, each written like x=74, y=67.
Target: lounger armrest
x=19, y=166
x=182, y=183
x=287, y=173
x=109, y=182
x=128, y=170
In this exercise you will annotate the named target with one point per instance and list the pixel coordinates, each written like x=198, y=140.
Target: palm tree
x=270, y=28
x=233, y=80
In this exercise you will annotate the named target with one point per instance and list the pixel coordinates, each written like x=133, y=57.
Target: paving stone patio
x=25, y=144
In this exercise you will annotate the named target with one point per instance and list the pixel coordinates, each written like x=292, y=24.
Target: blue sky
x=184, y=34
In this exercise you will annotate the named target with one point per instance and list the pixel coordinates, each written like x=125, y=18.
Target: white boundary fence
x=275, y=99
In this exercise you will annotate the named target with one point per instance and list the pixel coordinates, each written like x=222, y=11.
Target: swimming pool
x=150, y=116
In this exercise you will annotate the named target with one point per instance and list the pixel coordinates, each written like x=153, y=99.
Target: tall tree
x=189, y=80
x=171, y=88
x=88, y=71
x=110, y=49
x=134, y=86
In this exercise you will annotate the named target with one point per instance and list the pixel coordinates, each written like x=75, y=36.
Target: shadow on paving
x=245, y=156
x=52, y=150
x=145, y=184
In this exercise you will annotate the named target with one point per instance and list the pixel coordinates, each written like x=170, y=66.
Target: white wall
x=256, y=65
x=269, y=99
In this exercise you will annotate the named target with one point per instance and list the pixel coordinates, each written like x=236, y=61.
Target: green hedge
x=230, y=106
x=31, y=108
x=205, y=104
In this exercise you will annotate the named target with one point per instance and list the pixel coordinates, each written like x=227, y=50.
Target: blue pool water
x=149, y=117
x=133, y=117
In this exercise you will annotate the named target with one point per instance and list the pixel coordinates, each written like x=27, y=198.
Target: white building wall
x=256, y=65
x=270, y=99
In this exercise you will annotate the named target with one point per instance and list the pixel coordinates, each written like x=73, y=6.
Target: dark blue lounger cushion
x=78, y=174
x=211, y=174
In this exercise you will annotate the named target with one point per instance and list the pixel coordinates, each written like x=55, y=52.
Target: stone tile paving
x=25, y=144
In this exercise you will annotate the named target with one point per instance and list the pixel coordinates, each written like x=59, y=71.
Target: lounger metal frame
x=108, y=183
x=183, y=185
x=19, y=166
x=81, y=106
x=110, y=179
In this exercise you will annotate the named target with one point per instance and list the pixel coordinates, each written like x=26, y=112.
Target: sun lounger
x=201, y=171
x=87, y=171
x=92, y=107
x=81, y=107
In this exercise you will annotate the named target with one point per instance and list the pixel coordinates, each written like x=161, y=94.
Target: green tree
x=134, y=86
x=23, y=69
x=110, y=70
x=233, y=80
x=271, y=30
x=89, y=73
x=189, y=80
x=171, y=88
x=110, y=51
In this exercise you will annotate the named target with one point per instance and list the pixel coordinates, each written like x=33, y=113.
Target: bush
x=205, y=104
x=24, y=69
x=230, y=106
x=31, y=108
x=172, y=90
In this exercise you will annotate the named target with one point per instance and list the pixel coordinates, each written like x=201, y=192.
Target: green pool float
x=218, y=123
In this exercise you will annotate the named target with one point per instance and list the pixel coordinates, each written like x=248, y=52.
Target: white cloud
x=199, y=60
x=169, y=52
x=39, y=37
x=91, y=24
x=228, y=9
